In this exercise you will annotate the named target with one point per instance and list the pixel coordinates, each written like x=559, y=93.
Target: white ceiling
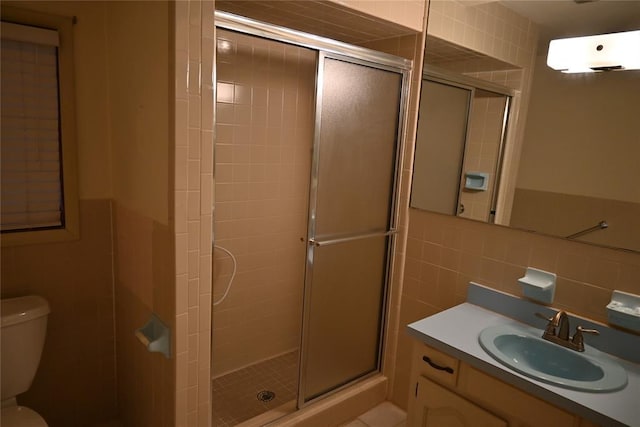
x=566, y=18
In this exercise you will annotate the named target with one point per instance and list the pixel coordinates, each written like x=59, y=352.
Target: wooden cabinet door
x=436, y=406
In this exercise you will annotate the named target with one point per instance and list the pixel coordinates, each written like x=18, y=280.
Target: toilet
x=24, y=326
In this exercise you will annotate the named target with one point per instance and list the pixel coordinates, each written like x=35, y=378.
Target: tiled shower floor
x=235, y=395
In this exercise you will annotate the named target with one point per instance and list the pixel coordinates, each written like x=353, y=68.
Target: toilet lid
x=21, y=416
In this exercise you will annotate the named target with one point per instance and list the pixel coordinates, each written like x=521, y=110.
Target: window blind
x=30, y=159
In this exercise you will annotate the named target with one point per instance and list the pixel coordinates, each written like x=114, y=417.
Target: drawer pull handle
x=436, y=366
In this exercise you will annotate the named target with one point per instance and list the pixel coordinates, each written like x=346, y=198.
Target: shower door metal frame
x=328, y=48
x=389, y=232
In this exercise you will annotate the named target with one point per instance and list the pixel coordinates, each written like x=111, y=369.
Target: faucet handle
x=587, y=331
x=578, y=338
x=550, y=328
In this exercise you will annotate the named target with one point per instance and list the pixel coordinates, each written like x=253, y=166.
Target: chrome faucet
x=557, y=331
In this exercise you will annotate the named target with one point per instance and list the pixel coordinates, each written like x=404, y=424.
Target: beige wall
x=138, y=72
x=571, y=214
x=76, y=380
x=138, y=58
x=264, y=129
x=582, y=134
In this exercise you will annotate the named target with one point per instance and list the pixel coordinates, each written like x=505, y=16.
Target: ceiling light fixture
x=604, y=52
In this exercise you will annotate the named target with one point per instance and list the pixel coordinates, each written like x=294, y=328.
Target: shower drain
x=266, y=396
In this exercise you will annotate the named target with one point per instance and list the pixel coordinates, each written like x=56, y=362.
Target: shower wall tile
x=263, y=158
x=193, y=195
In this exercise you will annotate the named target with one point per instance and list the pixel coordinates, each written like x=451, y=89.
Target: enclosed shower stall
x=308, y=135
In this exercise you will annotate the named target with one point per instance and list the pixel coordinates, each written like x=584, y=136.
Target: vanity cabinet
x=436, y=406
x=448, y=392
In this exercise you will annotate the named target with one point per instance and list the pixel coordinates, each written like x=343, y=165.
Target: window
x=37, y=151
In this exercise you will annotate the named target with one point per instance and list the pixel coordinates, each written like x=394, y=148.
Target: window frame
x=70, y=230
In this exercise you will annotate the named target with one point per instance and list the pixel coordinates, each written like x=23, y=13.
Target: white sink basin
x=526, y=352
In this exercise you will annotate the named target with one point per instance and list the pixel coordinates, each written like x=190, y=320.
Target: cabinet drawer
x=435, y=365
x=509, y=401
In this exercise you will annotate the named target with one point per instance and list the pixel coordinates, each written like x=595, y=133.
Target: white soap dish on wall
x=624, y=310
x=155, y=336
x=478, y=181
x=538, y=285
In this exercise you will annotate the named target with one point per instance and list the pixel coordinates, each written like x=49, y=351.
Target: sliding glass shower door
x=350, y=221
x=296, y=112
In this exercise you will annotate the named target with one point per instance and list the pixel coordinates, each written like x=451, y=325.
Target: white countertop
x=455, y=331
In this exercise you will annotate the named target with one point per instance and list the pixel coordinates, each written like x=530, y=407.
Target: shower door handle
x=318, y=243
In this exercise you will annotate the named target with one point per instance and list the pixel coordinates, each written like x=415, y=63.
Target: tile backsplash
x=445, y=253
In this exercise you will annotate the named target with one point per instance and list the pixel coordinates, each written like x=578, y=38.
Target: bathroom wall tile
x=259, y=170
x=205, y=274
x=182, y=294
x=603, y=272
x=431, y=253
x=573, y=266
x=81, y=301
x=182, y=329
x=181, y=121
x=193, y=205
x=472, y=241
x=181, y=371
x=193, y=235
x=518, y=249
x=629, y=279
x=195, y=40
x=204, y=415
x=544, y=255
x=181, y=242
x=193, y=264
x=181, y=406
x=181, y=168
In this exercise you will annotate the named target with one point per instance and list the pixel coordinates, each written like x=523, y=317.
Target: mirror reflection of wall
x=440, y=146
x=580, y=143
x=579, y=163
x=459, y=146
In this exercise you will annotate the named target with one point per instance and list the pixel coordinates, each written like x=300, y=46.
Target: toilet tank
x=24, y=326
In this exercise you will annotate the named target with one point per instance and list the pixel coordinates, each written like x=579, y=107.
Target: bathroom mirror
x=578, y=163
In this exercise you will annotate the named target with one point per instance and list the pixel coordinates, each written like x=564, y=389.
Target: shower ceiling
x=326, y=19
x=440, y=52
